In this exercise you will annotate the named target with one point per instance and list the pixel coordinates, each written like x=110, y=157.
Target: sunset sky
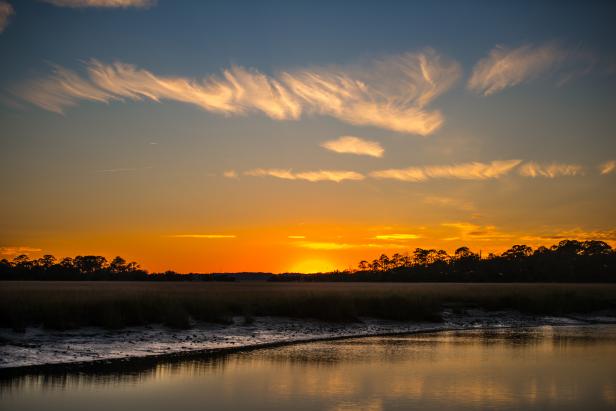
x=303, y=136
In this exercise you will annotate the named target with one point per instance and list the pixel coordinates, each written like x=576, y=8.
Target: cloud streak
x=312, y=176
x=552, y=170
x=140, y=4
x=11, y=251
x=465, y=171
x=607, y=167
x=354, y=145
x=6, y=11
x=391, y=93
x=505, y=67
x=333, y=246
x=397, y=237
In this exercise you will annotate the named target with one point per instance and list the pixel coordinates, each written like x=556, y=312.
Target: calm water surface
x=560, y=368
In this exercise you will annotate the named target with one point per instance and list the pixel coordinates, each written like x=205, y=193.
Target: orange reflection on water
x=542, y=368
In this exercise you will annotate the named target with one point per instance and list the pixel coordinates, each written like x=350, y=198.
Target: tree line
x=81, y=267
x=567, y=261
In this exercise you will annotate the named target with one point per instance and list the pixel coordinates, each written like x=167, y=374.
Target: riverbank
x=96, y=347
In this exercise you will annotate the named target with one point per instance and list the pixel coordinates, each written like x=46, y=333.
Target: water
x=560, y=368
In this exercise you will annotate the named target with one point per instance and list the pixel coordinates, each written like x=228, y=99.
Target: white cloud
x=312, y=176
x=354, y=145
x=141, y=4
x=505, y=67
x=391, y=93
x=6, y=11
x=465, y=171
x=552, y=170
x=607, y=167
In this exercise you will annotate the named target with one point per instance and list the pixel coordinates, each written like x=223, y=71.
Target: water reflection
x=539, y=368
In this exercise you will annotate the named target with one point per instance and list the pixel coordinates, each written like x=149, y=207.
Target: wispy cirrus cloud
x=203, y=236
x=552, y=170
x=6, y=11
x=312, y=176
x=140, y=4
x=230, y=174
x=508, y=67
x=464, y=171
x=607, y=167
x=354, y=145
x=391, y=93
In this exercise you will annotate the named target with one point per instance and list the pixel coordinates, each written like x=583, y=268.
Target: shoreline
x=278, y=333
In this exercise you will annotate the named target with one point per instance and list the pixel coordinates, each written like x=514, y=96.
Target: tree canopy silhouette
x=567, y=261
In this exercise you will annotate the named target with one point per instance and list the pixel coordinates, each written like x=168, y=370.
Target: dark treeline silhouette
x=567, y=261
x=97, y=268
x=82, y=267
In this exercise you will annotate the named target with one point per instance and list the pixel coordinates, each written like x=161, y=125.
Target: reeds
x=113, y=305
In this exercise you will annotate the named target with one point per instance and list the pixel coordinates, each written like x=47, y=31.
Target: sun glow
x=314, y=265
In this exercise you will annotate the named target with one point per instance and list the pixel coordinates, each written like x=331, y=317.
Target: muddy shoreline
x=99, y=351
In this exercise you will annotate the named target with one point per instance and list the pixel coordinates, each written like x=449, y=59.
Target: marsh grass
x=113, y=305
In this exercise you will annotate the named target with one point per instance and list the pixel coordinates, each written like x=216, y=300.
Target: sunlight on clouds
x=142, y=4
x=230, y=174
x=271, y=172
x=205, y=236
x=296, y=237
x=312, y=176
x=391, y=93
x=505, y=67
x=12, y=251
x=573, y=234
x=553, y=170
x=62, y=89
x=321, y=245
x=6, y=10
x=607, y=167
x=327, y=175
x=354, y=145
x=465, y=171
x=477, y=232
x=333, y=246
x=397, y=237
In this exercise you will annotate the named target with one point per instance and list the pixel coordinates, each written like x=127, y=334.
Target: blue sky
x=528, y=83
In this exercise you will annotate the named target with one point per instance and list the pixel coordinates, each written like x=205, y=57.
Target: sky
x=303, y=136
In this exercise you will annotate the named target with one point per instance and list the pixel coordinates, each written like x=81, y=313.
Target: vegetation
x=567, y=261
x=113, y=305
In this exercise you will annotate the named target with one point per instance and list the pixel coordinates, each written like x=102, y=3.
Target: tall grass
x=112, y=305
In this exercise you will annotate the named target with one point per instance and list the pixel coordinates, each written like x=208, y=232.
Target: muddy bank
x=91, y=347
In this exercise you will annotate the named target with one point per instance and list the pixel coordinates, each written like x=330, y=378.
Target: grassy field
x=65, y=305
